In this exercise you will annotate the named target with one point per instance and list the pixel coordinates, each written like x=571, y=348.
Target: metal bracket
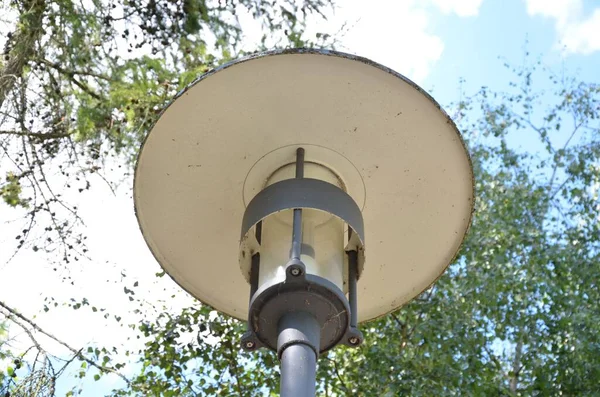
x=303, y=193
x=303, y=294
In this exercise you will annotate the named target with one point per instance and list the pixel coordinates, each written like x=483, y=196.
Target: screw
x=353, y=340
x=249, y=345
x=295, y=271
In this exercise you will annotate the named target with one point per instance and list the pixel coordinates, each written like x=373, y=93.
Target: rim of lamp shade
x=415, y=177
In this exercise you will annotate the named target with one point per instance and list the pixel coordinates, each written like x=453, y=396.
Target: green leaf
x=11, y=191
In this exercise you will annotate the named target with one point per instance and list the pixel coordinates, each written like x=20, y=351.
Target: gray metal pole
x=298, y=348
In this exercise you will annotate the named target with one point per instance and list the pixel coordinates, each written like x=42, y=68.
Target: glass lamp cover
x=322, y=235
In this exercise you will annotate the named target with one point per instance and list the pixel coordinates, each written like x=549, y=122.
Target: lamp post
x=308, y=152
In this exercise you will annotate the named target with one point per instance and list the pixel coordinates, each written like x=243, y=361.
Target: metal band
x=308, y=293
x=304, y=193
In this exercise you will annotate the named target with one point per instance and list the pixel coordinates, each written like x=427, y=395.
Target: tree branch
x=551, y=180
x=337, y=374
x=76, y=352
x=28, y=332
x=398, y=321
x=514, y=379
x=42, y=136
x=71, y=76
x=71, y=73
x=233, y=365
x=495, y=360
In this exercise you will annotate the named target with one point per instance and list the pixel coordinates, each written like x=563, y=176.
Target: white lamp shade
x=393, y=148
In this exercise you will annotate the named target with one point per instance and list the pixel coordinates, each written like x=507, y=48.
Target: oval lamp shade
x=397, y=153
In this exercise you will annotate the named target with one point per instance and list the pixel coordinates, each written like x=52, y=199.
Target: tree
x=516, y=313
x=80, y=84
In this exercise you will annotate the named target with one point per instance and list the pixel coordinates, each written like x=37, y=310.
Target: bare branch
x=76, y=352
x=45, y=180
x=42, y=136
x=27, y=331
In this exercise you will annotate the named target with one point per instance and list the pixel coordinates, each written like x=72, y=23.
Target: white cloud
x=395, y=33
x=584, y=37
x=391, y=32
x=562, y=11
x=578, y=33
x=462, y=8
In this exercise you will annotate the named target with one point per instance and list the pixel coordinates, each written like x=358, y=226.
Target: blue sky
x=473, y=45
x=433, y=42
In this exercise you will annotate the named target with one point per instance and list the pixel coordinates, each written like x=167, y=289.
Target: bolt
x=249, y=345
x=353, y=340
x=295, y=271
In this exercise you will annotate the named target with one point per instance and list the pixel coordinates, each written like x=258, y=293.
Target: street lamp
x=311, y=153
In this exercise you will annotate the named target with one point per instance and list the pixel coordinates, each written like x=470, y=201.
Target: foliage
x=516, y=314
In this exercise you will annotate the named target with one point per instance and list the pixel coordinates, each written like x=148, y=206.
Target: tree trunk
x=514, y=379
x=22, y=45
